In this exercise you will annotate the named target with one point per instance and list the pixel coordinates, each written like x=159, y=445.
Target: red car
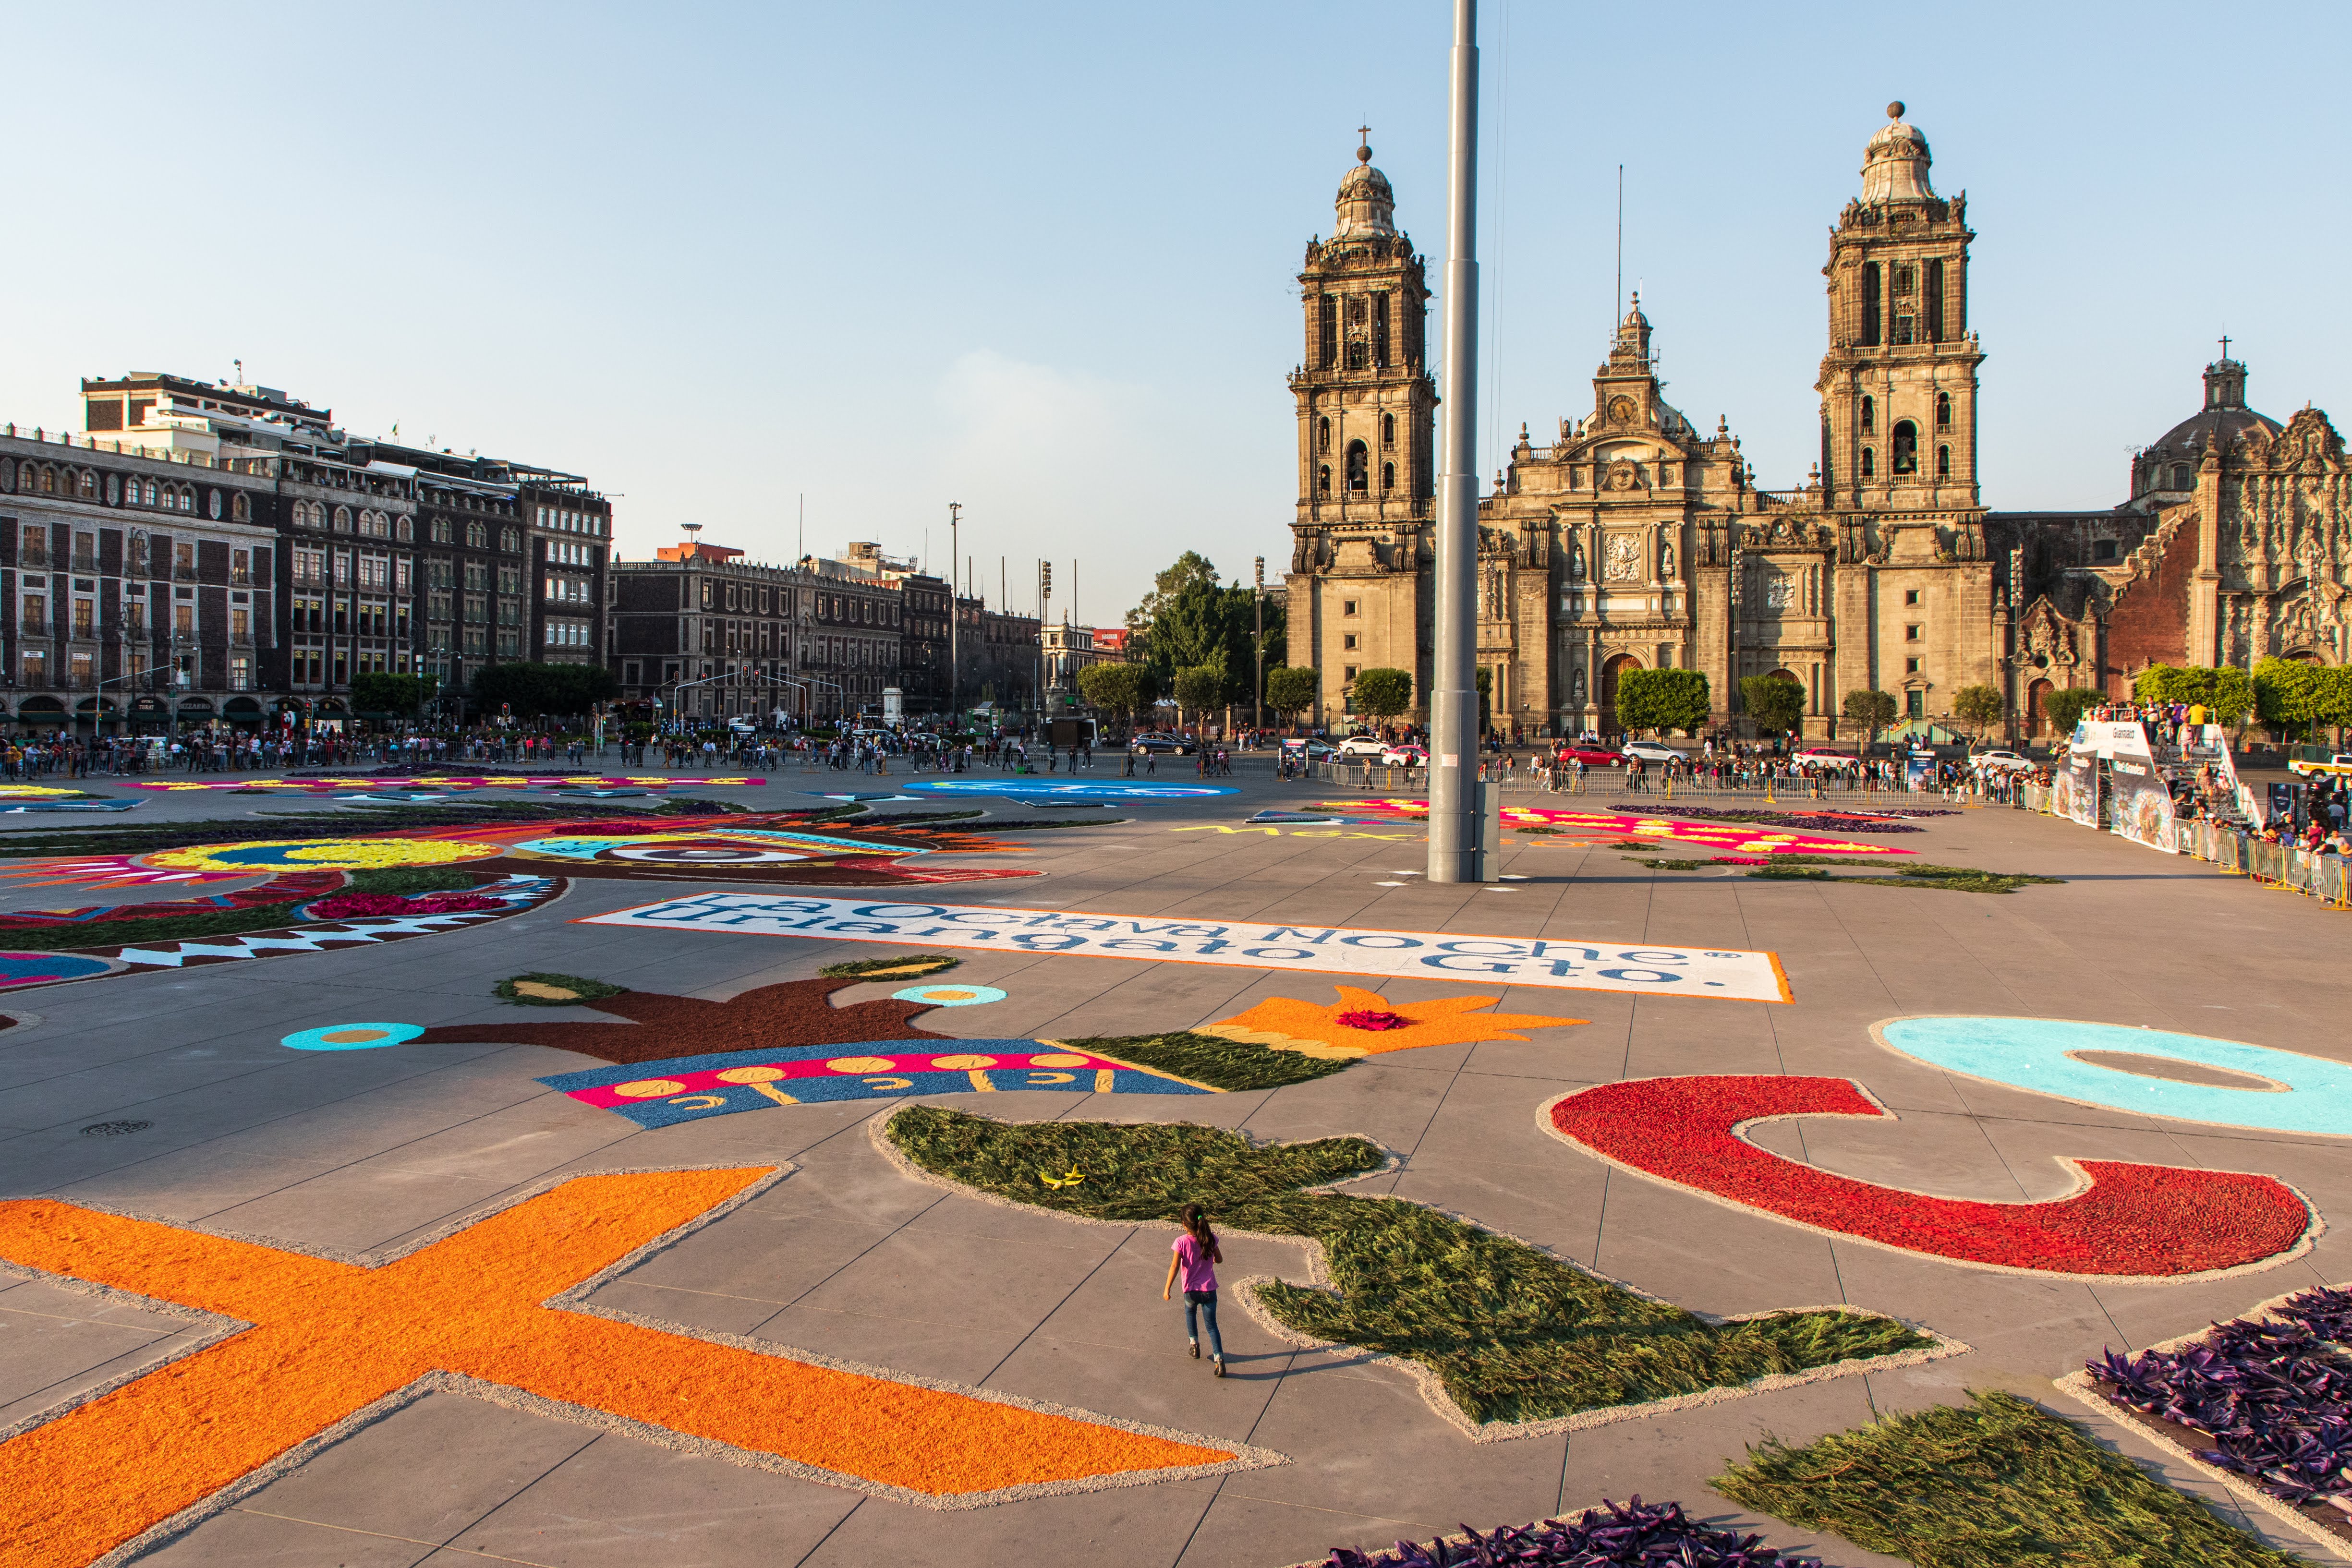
x=1591, y=757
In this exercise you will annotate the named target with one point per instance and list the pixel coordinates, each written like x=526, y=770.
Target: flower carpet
x=447, y=782
x=795, y=849
x=1737, y=837
x=2130, y=1221
x=312, y=1346
x=1364, y=1023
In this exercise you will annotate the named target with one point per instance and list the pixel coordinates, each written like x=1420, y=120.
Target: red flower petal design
x=2145, y=1222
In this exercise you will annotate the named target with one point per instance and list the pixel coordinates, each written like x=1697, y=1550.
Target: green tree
x=1380, y=692
x=2171, y=683
x=1198, y=688
x=1112, y=689
x=2231, y=699
x=1774, y=702
x=1663, y=700
x=1291, y=689
x=2287, y=694
x=2065, y=707
x=533, y=690
x=1979, y=707
x=1486, y=681
x=1192, y=569
x=375, y=691
x=1871, y=710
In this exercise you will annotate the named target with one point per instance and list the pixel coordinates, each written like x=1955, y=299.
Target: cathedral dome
x=2222, y=420
x=1366, y=206
x=1894, y=163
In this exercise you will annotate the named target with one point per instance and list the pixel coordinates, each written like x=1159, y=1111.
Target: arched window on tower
x=1873, y=310
x=2181, y=476
x=1869, y=464
x=1323, y=480
x=1323, y=434
x=1943, y=411
x=1943, y=463
x=1934, y=310
x=1388, y=476
x=1359, y=466
x=1869, y=414
x=1904, y=447
x=1387, y=430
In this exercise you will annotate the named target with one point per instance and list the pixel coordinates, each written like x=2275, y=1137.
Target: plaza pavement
x=847, y=1258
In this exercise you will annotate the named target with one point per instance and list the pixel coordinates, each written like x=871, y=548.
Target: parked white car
x=1362, y=745
x=2000, y=762
x=1839, y=759
x=1651, y=752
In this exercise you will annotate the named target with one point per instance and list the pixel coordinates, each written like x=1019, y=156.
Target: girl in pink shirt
x=1196, y=1257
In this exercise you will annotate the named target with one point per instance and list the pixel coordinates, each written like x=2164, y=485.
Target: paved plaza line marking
x=1723, y=975
x=496, y=1309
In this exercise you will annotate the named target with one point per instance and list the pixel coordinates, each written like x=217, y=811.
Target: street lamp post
x=1257, y=698
x=955, y=615
x=1453, y=851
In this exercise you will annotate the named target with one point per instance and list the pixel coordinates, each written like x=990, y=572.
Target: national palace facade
x=1633, y=539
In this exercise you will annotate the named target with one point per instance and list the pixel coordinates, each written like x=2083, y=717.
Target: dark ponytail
x=1196, y=1226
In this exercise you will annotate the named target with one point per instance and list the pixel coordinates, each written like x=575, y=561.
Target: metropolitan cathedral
x=1633, y=539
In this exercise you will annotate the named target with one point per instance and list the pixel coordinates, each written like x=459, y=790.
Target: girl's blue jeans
x=1200, y=1305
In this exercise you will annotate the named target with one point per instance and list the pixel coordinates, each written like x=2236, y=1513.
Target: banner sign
x=1727, y=975
x=2141, y=806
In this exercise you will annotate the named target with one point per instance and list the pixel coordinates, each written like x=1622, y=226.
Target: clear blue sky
x=1041, y=259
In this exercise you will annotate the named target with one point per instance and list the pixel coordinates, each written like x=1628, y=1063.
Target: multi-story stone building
x=385, y=557
x=1635, y=540
x=134, y=586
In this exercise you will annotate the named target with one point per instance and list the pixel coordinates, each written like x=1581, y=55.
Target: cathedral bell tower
x=1363, y=390
x=1898, y=385
x=1366, y=412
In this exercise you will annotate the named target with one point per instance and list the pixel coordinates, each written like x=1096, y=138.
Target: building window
x=1904, y=446
x=1935, y=302
x=1323, y=434
x=1872, y=309
x=1904, y=328
x=1943, y=463
x=1869, y=415
x=1910, y=596
x=1910, y=666
x=1387, y=430
x=1906, y=279
x=2103, y=549
x=1388, y=475
x=1347, y=672
x=1943, y=411
x=1869, y=463
x=1346, y=607
x=1911, y=633
x=1347, y=642
x=1360, y=462
x=1323, y=480
x=2181, y=476
x=1327, y=344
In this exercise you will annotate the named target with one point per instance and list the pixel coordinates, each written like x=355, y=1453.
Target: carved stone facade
x=1635, y=541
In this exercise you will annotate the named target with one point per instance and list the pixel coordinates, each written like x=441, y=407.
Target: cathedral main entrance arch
x=1609, y=673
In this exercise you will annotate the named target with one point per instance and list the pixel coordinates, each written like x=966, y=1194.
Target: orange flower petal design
x=1317, y=1030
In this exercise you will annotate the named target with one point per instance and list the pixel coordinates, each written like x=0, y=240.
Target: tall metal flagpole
x=1454, y=698
x=955, y=609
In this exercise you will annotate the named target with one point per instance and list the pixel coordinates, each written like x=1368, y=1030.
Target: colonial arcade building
x=1634, y=539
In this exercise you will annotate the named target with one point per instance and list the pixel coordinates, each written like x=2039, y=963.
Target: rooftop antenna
x=800, y=546
x=693, y=536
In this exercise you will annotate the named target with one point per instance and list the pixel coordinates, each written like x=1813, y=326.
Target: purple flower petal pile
x=1636, y=1535
x=2276, y=1397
